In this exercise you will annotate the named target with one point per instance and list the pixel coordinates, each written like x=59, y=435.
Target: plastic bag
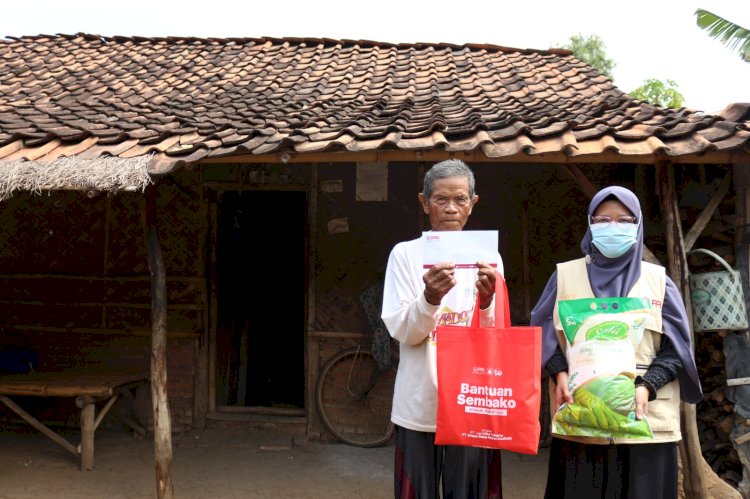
x=603, y=334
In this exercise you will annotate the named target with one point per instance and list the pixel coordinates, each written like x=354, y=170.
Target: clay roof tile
x=187, y=98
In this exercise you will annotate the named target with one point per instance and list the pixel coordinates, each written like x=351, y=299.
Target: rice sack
x=602, y=336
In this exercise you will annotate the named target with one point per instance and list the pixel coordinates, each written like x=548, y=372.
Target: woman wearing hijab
x=581, y=466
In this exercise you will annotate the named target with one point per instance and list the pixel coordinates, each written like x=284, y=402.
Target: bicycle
x=354, y=395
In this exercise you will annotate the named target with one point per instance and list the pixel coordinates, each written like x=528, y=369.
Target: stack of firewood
x=715, y=415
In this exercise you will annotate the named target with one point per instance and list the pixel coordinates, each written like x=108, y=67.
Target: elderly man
x=415, y=302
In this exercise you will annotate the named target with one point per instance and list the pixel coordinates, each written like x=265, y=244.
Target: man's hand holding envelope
x=444, y=251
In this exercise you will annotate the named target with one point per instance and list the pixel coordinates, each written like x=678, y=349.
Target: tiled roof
x=189, y=99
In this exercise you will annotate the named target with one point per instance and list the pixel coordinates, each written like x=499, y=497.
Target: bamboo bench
x=88, y=385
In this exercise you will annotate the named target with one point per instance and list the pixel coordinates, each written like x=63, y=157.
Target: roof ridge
x=293, y=40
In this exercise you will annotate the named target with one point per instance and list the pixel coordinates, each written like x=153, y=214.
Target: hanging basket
x=717, y=298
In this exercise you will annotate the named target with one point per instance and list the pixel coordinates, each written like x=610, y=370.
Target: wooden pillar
x=88, y=414
x=213, y=293
x=314, y=425
x=525, y=247
x=424, y=220
x=741, y=177
x=162, y=420
x=691, y=457
x=201, y=380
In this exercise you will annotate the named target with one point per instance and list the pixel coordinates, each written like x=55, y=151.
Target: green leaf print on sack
x=603, y=407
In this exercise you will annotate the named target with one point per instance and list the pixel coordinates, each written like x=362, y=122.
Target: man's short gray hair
x=449, y=168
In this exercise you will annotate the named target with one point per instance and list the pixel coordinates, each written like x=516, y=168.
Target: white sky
x=645, y=38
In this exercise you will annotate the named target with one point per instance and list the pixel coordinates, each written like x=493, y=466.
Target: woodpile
x=715, y=415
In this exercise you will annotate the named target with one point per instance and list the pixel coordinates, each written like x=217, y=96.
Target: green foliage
x=592, y=51
x=733, y=36
x=659, y=93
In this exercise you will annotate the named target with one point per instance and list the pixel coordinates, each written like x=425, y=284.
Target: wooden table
x=88, y=385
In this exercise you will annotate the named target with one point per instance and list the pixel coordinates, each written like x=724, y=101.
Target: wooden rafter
x=702, y=221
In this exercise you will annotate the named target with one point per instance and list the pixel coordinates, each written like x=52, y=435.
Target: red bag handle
x=502, y=307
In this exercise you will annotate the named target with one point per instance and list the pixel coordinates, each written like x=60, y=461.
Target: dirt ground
x=220, y=464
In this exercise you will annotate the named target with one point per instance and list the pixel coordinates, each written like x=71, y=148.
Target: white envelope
x=462, y=247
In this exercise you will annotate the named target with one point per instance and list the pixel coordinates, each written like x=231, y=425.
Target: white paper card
x=462, y=247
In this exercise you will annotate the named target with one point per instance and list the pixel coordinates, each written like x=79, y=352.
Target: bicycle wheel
x=354, y=398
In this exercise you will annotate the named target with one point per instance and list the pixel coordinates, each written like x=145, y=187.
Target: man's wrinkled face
x=449, y=205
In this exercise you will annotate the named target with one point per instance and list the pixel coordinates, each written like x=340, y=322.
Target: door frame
x=214, y=191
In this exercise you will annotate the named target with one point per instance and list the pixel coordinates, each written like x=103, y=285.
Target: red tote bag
x=489, y=382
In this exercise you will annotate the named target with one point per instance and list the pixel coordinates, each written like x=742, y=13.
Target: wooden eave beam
x=475, y=156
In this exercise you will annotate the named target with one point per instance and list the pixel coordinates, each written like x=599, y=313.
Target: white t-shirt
x=411, y=320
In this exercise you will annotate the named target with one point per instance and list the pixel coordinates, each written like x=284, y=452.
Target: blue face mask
x=614, y=239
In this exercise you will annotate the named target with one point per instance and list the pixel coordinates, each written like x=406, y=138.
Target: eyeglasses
x=622, y=219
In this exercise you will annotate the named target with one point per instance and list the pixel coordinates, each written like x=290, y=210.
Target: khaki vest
x=664, y=411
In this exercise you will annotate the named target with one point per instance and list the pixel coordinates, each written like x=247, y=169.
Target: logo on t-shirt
x=453, y=318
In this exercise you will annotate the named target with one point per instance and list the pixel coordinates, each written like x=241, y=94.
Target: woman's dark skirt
x=639, y=471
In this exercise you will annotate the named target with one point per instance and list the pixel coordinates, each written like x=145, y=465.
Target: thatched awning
x=110, y=174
